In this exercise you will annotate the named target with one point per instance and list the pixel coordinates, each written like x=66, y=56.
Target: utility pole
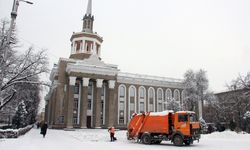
x=13, y=18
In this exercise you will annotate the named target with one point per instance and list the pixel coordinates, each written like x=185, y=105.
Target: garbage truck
x=181, y=128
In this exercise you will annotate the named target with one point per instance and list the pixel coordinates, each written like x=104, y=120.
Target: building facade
x=89, y=93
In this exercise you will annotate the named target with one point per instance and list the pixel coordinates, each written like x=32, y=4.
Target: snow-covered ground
x=96, y=139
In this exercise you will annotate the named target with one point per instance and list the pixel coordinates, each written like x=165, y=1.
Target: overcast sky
x=155, y=37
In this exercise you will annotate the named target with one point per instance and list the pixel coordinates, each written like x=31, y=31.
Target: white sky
x=155, y=37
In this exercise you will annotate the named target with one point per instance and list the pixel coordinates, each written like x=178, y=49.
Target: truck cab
x=186, y=127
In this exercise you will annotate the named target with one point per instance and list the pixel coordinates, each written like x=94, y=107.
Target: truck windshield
x=193, y=118
x=182, y=118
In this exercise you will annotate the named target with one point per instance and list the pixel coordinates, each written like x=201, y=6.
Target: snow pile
x=14, y=133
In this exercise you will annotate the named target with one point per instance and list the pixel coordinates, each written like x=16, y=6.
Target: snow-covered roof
x=189, y=112
x=163, y=113
x=148, y=77
x=92, y=65
x=148, y=80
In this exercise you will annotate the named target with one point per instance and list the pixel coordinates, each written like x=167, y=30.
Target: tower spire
x=89, y=8
x=88, y=19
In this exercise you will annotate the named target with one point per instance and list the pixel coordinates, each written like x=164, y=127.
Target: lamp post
x=13, y=18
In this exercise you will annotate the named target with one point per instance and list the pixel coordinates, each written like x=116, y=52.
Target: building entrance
x=88, y=121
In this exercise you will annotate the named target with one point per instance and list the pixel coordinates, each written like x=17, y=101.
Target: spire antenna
x=89, y=8
x=88, y=19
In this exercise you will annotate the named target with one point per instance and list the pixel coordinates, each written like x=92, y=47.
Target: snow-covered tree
x=246, y=123
x=30, y=94
x=203, y=125
x=16, y=69
x=247, y=115
x=19, y=120
x=196, y=85
x=172, y=104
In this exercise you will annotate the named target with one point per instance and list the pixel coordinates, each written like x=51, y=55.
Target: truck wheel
x=146, y=139
x=178, y=141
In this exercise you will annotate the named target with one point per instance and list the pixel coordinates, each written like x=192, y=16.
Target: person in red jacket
x=112, y=133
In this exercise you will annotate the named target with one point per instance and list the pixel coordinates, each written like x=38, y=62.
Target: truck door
x=182, y=124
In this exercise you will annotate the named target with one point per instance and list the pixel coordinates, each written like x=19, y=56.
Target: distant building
x=88, y=93
x=234, y=103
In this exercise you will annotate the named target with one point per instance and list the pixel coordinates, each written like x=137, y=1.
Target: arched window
x=177, y=95
x=142, y=99
x=132, y=101
x=159, y=99
x=167, y=99
x=151, y=99
x=122, y=104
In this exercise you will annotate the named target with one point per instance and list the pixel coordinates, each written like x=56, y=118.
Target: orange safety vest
x=112, y=130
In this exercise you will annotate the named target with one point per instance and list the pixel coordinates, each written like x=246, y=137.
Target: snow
x=97, y=139
x=163, y=113
x=247, y=114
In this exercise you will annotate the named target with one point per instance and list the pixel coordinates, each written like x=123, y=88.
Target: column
x=72, y=81
x=111, y=110
x=97, y=113
x=84, y=103
x=94, y=48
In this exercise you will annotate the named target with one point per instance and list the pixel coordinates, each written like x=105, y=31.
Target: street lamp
x=13, y=18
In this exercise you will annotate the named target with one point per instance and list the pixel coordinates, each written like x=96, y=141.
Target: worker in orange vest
x=112, y=133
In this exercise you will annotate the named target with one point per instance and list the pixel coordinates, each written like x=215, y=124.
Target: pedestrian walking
x=44, y=129
x=112, y=134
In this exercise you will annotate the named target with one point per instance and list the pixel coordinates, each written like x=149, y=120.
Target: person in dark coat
x=44, y=129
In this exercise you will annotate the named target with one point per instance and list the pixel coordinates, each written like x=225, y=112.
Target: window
x=159, y=99
x=142, y=106
x=88, y=45
x=132, y=101
x=177, y=95
x=90, y=95
x=61, y=119
x=151, y=100
x=76, y=103
x=182, y=118
x=168, y=95
x=121, y=104
x=142, y=99
x=74, y=120
x=167, y=99
x=122, y=91
x=193, y=118
x=103, y=101
x=76, y=88
x=78, y=45
x=90, y=89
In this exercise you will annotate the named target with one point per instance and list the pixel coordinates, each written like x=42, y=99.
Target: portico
x=90, y=83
